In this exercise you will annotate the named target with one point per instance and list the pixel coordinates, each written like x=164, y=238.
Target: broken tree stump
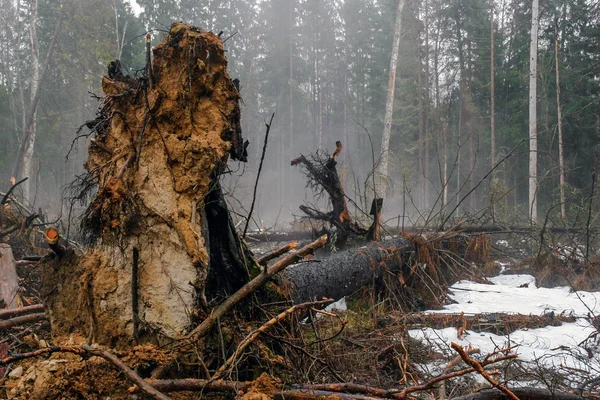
x=9, y=281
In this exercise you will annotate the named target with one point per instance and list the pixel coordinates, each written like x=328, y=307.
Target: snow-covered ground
x=557, y=346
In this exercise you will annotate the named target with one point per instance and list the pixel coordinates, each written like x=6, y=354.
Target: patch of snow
x=518, y=294
x=551, y=346
x=547, y=345
x=339, y=305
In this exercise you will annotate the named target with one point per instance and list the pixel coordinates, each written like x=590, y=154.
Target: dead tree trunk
x=345, y=272
x=9, y=281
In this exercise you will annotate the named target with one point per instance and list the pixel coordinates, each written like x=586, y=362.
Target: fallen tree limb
x=274, y=254
x=488, y=322
x=252, y=336
x=22, y=320
x=283, y=236
x=319, y=391
x=13, y=187
x=4, y=314
x=479, y=368
x=522, y=393
x=252, y=286
x=308, y=394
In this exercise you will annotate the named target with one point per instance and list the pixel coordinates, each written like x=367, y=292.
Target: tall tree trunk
x=389, y=105
x=492, y=97
x=421, y=168
x=461, y=113
x=22, y=165
x=561, y=159
x=533, y=141
x=35, y=77
x=427, y=180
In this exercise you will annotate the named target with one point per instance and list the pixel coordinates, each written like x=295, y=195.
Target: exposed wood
x=9, y=281
x=22, y=320
x=252, y=286
x=4, y=314
x=52, y=238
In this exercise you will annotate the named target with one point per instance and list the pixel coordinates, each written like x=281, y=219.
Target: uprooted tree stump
x=162, y=243
x=320, y=170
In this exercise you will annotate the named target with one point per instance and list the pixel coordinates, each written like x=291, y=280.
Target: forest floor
x=548, y=337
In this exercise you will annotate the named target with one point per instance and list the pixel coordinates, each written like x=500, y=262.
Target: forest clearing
x=297, y=213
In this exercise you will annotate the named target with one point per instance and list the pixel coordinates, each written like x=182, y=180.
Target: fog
x=323, y=68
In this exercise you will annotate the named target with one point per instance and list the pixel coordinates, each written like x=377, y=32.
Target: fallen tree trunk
x=522, y=394
x=345, y=272
x=9, y=281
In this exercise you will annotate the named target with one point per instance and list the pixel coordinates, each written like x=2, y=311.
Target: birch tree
x=389, y=105
x=533, y=140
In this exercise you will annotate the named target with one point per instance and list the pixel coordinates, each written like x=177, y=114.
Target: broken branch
x=253, y=285
x=479, y=369
x=274, y=254
x=251, y=337
x=20, y=311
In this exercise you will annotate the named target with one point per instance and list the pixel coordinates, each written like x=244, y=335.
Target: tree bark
x=345, y=272
x=389, y=105
x=533, y=140
x=492, y=97
x=561, y=156
x=521, y=393
x=9, y=281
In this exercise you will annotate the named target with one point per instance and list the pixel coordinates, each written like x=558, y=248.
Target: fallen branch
x=22, y=320
x=7, y=195
x=252, y=286
x=262, y=159
x=20, y=311
x=274, y=254
x=252, y=336
x=526, y=393
x=479, y=368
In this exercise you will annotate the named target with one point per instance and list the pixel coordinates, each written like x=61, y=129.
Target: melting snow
x=552, y=345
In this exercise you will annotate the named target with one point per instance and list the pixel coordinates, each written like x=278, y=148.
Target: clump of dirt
x=160, y=143
x=68, y=376
x=263, y=388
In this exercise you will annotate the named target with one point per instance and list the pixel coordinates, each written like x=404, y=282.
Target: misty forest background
x=323, y=68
